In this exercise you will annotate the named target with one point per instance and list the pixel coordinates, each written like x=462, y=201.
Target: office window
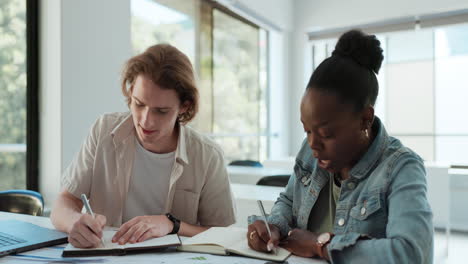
x=451, y=82
x=163, y=22
x=18, y=78
x=423, y=89
x=237, y=92
x=410, y=95
x=229, y=55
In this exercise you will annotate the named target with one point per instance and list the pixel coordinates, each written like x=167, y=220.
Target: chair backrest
x=248, y=163
x=275, y=180
x=438, y=194
x=22, y=202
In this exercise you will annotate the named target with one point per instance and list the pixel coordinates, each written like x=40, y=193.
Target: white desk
x=53, y=254
x=251, y=175
x=458, y=197
x=246, y=196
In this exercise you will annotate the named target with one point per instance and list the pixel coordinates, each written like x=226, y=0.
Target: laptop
x=17, y=236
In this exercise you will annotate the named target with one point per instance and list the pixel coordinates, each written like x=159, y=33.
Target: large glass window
x=229, y=55
x=13, y=94
x=237, y=92
x=410, y=89
x=156, y=22
x=423, y=89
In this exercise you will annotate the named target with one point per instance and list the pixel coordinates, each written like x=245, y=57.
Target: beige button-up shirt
x=199, y=190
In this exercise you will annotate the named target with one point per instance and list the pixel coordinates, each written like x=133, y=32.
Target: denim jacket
x=384, y=198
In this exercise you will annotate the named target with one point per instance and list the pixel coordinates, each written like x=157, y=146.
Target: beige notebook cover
x=226, y=240
x=110, y=248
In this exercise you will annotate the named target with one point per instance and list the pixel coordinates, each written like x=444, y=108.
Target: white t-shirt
x=149, y=184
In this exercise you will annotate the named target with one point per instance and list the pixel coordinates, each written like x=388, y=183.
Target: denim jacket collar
x=373, y=154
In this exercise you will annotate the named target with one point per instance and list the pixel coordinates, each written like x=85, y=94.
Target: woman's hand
x=141, y=228
x=258, y=238
x=86, y=232
x=301, y=243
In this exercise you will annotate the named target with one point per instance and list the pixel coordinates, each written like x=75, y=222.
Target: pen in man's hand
x=85, y=201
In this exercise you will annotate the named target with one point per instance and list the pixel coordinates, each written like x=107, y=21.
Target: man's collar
x=181, y=151
x=126, y=128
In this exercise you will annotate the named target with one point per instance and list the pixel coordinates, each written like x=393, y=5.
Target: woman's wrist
x=275, y=228
x=322, y=242
x=325, y=252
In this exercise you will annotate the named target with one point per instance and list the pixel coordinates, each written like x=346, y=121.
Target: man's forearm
x=65, y=213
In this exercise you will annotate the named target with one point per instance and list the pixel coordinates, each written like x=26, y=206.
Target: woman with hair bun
x=357, y=195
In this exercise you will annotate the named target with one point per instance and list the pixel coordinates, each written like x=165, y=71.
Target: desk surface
x=458, y=171
x=256, y=192
x=53, y=254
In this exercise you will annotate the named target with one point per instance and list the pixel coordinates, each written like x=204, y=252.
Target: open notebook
x=110, y=248
x=228, y=240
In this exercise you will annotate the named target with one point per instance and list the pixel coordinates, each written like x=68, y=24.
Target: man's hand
x=86, y=232
x=141, y=228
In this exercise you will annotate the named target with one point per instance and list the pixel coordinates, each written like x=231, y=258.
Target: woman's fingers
x=255, y=242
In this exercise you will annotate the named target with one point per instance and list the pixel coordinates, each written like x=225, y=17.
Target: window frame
x=32, y=95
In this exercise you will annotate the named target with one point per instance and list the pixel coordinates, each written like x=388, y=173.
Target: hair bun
x=363, y=49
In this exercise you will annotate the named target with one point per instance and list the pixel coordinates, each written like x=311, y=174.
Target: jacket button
x=363, y=211
x=341, y=222
x=351, y=185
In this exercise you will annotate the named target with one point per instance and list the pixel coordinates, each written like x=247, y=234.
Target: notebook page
x=242, y=248
x=106, y=236
x=222, y=236
x=156, y=242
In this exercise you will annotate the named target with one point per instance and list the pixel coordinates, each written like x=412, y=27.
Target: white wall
x=50, y=163
x=338, y=13
x=323, y=14
x=278, y=12
x=95, y=45
x=278, y=97
x=84, y=45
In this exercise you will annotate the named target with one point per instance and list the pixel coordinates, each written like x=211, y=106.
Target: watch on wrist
x=322, y=240
x=176, y=223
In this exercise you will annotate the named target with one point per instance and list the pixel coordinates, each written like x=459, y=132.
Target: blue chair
x=22, y=202
x=275, y=180
x=247, y=163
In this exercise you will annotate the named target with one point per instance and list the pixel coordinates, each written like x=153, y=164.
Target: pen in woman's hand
x=262, y=210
